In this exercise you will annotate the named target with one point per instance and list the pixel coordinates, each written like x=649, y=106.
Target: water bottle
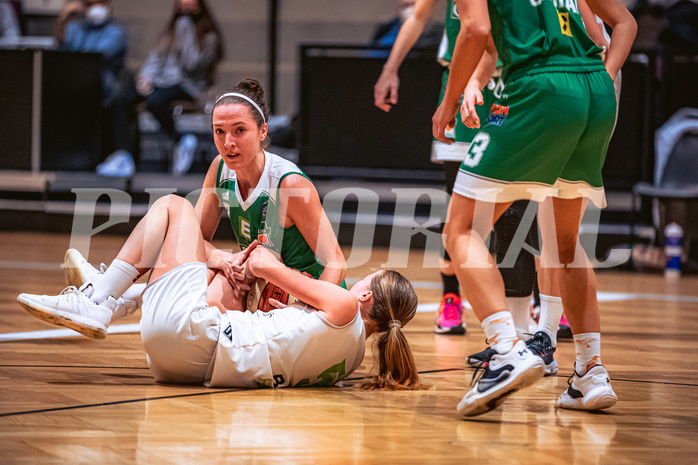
x=673, y=234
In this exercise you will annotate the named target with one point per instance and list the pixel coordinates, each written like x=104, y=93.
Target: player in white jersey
x=265, y=196
x=188, y=341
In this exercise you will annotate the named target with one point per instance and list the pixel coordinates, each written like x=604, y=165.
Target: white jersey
x=288, y=347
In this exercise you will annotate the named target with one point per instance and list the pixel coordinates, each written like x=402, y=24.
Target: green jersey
x=451, y=30
x=257, y=217
x=535, y=36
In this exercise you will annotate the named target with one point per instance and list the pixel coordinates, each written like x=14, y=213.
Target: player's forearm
x=334, y=272
x=467, y=55
x=485, y=68
x=212, y=258
x=215, y=257
x=327, y=250
x=406, y=38
x=308, y=290
x=614, y=13
x=621, y=43
x=593, y=27
x=331, y=256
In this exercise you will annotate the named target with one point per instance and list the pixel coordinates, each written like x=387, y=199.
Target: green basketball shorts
x=463, y=135
x=547, y=136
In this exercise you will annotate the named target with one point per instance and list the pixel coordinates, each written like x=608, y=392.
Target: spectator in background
x=71, y=11
x=98, y=32
x=9, y=25
x=181, y=67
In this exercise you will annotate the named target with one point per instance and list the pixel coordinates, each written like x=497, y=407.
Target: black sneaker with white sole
x=541, y=345
x=478, y=359
x=501, y=376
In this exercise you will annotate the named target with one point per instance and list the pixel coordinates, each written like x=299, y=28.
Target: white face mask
x=406, y=12
x=97, y=14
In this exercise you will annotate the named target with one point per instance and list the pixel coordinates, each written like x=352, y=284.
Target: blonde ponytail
x=394, y=305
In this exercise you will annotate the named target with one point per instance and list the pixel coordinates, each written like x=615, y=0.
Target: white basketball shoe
x=592, y=391
x=73, y=309
x=79, y=271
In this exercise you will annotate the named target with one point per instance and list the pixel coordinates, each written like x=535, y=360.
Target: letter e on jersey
x=245, y=228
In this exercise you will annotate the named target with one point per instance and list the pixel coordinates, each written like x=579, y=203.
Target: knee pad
x=520, y=279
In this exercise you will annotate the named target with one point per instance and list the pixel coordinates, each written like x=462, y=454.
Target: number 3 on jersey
x=477, y=149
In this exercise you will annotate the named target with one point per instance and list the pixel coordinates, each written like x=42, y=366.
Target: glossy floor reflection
x=77, y=400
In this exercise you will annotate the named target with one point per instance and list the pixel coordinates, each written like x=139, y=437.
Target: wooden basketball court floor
x=75, y=400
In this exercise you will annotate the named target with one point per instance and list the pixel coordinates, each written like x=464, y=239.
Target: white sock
x=520, y=309
x=115, y=281
x=500, y=331
x=588, y=348
x=550, y=313
x=135, y=293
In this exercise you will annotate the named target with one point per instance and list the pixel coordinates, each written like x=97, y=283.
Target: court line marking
x=602, y=296
x=53, y=333
x=442, y=370
x=421, y=308
x=224, y=391
x=176, y=396
x=118, y=402
x=94, y=367
x=43, y=266
x=645, y=381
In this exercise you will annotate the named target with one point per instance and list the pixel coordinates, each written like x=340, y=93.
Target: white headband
x=235, y=94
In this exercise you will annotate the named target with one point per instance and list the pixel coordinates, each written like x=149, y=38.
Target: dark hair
x=204, y=23
x=394, y=305
x=71, y=11
x=84, y=2
x=253, y=90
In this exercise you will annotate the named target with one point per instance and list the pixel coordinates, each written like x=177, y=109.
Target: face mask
x=406, y=12
x=97, y=14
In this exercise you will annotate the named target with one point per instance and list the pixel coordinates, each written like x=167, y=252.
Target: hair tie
x=245, y=97
x=392, y=323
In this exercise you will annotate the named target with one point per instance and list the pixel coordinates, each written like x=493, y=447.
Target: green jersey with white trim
x=451, y=30
x=534, y=36
x=257, y=217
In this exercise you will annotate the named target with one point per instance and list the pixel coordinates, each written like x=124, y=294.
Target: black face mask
x=187, y=12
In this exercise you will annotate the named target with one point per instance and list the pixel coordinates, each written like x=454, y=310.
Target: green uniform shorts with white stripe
x=547, y=136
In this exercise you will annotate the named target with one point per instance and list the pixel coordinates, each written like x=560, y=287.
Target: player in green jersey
x=519, y=279
x=545, y=140
x=267, y=198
